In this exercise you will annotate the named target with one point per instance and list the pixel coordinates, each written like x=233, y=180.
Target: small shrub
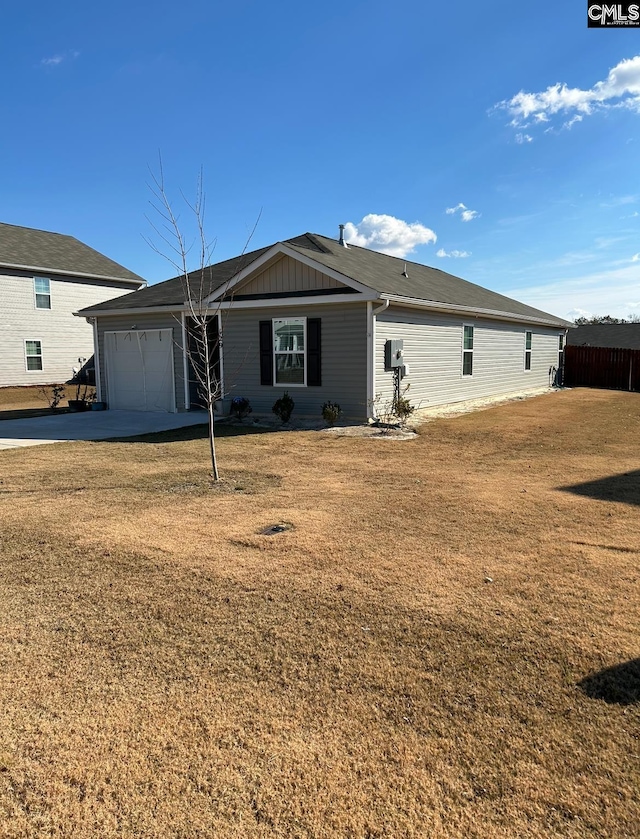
x=403, y=409
x=331, y=412
x=283, y=408
x=240, y=407
x=392, y=411
x=53, y=395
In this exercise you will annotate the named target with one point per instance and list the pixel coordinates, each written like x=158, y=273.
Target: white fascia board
x=259, y=303
x=274, y=302
x=59, y=273
x=140, y=310
x=283, y=250
x=467, y=311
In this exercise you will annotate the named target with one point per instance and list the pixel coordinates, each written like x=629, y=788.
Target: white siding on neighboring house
x=433, y=348
x=64, y=338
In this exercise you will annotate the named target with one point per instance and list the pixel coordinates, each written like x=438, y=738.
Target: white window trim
x=35, y=295
x=287, y=385
x=41, y=356
x=464, y=375
x=530, y=351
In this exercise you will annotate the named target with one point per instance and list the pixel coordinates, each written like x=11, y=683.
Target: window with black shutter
x=290, y=352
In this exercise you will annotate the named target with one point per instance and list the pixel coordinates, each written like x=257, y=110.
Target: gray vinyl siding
x=159, y=320
x=287, y=275
x=433, y=350
x=343, y=358
x=64, y=337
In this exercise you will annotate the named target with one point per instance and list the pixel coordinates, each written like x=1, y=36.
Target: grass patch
x=169, y=670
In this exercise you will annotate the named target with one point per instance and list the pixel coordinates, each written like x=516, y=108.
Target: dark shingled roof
x=171, y=292
x=622, y=336
x=54, y=253
x=378, y=271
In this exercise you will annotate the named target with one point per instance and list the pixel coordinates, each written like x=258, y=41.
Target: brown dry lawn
x=416, y=657
x=31, y=401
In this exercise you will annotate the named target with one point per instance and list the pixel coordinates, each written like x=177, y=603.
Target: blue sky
x=515, y=118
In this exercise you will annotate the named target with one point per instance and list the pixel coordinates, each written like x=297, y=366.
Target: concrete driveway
x=90, y=425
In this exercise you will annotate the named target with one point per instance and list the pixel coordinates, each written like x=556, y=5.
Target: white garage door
x=140, y=370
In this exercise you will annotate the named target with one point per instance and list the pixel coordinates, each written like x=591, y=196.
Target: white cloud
x=573, y=314
x=523, y=138
x=53, y=61
x=635, y=257
x=620, y=201
x=388, y=234
x=57, y=59
x=605, y=292
x=465, y=213
x=621, y=89
x=454, y=254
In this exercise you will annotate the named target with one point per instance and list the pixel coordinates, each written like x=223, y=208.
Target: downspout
x=96, y=358
x=371, y=355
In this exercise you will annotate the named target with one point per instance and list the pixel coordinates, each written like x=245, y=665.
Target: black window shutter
x=314, y=360
x=266, y=353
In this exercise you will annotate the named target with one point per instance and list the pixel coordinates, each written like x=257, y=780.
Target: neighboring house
x=616, y=335
x=44, y=279
x=312, y=316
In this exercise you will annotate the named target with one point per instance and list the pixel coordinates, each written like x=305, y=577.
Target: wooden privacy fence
x=602, y=367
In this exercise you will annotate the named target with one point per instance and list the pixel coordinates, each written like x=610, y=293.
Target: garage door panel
x=140, y=370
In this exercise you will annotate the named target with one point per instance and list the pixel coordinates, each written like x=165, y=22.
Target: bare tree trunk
x=197, y=290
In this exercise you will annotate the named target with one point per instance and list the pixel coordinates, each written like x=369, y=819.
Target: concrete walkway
x=91, y=425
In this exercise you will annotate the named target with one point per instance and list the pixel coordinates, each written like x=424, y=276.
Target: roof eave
x=471, y=311
x=137, y=310
x=64, y=273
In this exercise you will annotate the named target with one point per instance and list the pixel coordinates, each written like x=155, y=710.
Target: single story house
x=621, y=336
x=316, y=317
x=44, y=279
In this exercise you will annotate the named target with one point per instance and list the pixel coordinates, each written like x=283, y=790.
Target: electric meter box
x=393, y=353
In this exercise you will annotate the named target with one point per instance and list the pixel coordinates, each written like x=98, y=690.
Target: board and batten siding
x=137, y=322
x=64, y=338
x=287, y=275
x=343, y=359
x=433, y=350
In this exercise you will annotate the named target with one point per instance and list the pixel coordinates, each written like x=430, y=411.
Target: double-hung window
x=42, y=290
x=289, y=351
x=527, y=350
x=33, y=355
x=467, y=350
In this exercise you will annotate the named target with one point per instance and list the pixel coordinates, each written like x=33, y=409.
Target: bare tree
x=202, y=343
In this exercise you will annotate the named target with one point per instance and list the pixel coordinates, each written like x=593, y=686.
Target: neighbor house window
x=467, y=351
x=289, y=348
x=42, y=288
x=33, y=354
x=560, y=351
x=527, y=350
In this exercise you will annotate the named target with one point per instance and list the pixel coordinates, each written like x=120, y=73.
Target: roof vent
x=341, y=239
x=404, y=273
